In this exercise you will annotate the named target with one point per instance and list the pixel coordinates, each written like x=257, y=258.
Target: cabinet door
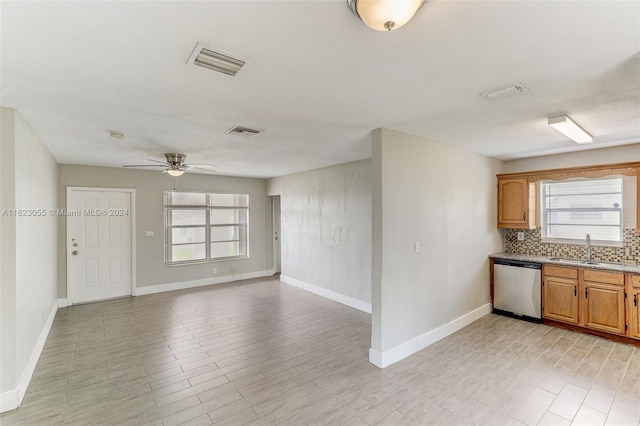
x=604, y=307
x=560, y=299
x=513, y=203
x=634, y=314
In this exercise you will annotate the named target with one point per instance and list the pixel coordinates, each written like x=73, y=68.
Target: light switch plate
x=149, y=233
x=417, y=246
x=520, y=236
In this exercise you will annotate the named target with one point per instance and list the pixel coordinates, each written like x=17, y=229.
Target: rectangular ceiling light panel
x=505, y=91
x=215, y=60
x=570, y=129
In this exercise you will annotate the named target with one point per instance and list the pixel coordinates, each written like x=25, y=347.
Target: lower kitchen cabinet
x=592, y=299
x=560, y=297
x=604, y=307
x=634, y=306
x=560, y=294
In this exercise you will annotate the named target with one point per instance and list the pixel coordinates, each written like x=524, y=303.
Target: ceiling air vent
x=243, y=131
x=215, y=60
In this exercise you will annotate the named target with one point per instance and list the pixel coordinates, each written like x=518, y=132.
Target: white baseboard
x=321, y=291
x=64, y=303
x=13, y=398
x=9, y=400
x=160, y=288
x=403, y=350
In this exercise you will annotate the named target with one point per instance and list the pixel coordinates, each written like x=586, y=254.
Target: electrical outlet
x=520, y=236
x=417, y=247
x=215, y=270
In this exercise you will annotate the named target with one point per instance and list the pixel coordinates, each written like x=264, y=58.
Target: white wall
x=29, y=181
x=326, y=230
x=36, y=240
x=445, y=198
x=150, y=187
x=8, y=374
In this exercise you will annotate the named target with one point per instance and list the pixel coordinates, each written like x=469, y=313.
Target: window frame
x=208, y=207
x=571, y=241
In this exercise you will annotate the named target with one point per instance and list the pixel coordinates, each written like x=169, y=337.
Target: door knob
x=75, y=252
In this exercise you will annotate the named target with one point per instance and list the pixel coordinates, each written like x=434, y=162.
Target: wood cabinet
x=604, y=308
x=516, y=203
x=560, y=294
x=589, y=298
x=633, y=304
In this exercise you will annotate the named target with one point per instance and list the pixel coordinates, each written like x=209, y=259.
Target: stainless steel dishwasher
x=516, y=289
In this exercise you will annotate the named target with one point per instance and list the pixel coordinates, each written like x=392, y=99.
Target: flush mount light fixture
x=215, y=60
x=570, y=129
x=385, y=15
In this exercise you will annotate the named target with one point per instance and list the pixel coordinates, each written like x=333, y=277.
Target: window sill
x=199, y=262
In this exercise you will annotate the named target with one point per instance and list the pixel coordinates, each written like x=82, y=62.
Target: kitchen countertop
x=618, y=267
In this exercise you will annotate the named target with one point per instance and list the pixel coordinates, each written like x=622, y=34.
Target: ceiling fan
x=175, y=165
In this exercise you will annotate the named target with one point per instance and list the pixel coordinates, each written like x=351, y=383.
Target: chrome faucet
x=588, y=248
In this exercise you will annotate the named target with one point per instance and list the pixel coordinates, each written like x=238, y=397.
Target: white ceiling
x=317, y=79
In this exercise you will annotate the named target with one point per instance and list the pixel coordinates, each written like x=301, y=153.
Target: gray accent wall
x=445, y=198
x=149, y=205
x=326, y=227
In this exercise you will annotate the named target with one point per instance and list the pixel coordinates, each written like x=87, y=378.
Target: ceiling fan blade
x=158, y=161
x=200, y=168
x=144, y=165
x=213, y=166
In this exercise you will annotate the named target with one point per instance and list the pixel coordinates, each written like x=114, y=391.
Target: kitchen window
x=574, y=208
x=201, y=227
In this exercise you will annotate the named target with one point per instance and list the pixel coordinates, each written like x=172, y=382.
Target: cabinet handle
x=575, y=290
x=586, y=292
x=635, y=300
x=524, y=215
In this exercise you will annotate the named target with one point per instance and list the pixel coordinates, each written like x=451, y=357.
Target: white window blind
x=573, y=209
x=205, y=226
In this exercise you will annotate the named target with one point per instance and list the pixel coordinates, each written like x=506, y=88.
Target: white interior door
x=99, y=250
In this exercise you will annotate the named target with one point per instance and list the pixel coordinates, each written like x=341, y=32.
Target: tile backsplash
x=533, y=245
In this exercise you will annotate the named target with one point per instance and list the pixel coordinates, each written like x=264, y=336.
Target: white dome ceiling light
x=385, y=15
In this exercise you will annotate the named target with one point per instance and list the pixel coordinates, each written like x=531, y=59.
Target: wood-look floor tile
x=222, y=354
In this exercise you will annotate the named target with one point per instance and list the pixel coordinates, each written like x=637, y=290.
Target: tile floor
x=262, y=352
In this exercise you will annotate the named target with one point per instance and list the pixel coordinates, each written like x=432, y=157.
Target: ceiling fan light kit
x=385, y=15
x=175, y=172
x=570, y=129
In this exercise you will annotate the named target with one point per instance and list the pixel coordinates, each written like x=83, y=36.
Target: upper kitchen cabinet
x=517, y=191
x=516, y=203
